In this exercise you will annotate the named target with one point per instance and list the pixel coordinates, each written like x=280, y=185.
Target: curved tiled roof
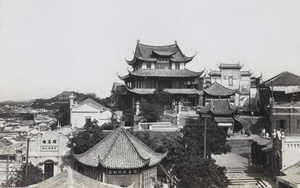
x=218, y=107
x=70, y=178
x=120, y=150
x=147, y=91
x=218, y=90
x=174, y=73
x=145, y=53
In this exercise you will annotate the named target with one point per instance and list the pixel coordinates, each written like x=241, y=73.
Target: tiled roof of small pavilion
x=147, y=91
x=230, y=66
x=282, y=79
x=120, y=150
x=69, y=178
x=147, y=53
x=218, y=107
x=217, y=89
x=169, y=73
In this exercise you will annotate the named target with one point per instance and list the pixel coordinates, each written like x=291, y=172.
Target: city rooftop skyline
x=50, y=46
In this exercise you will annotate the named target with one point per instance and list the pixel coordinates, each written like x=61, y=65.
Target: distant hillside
x=16, y=102
x=52, y=102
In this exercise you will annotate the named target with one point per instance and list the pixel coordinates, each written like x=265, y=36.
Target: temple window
x=54, y=141
x=148, y=65
x=281, y=124
x=148, y=84
x=298, y=125
x=88, y=119
x=44, y=141
x=162, y=66
x=230, y=80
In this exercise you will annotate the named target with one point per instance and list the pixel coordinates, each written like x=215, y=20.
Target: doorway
x=48, y=169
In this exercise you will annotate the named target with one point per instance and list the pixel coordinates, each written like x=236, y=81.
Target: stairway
x=246, y=177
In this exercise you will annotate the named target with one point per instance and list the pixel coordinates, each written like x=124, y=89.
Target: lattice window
x=148, y=175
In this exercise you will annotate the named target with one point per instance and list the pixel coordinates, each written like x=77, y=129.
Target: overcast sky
x=50, y=46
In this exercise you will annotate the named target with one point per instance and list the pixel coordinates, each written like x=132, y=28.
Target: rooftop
x=120, y=150
x=71, y=179
x=217, y=89
x=150, y=53
x=218, y=107
x=146, y=91
x=282, y=79
x=171, y=73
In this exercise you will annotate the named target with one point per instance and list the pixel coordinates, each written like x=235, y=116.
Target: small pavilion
x=120, y=159
x=221, y=111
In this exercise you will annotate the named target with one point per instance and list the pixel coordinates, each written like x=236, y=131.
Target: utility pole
x=27, y=155
x=204, y=137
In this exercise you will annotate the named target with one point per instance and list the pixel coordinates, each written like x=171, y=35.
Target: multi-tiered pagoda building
x=160, y=67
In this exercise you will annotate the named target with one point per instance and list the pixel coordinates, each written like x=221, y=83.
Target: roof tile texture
x=120, y=150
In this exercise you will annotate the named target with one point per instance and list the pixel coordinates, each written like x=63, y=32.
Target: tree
x=91, y=134
x=193, y=139
x=152, y=108
x=28, y=116
x=21, y=179
x=195, y=171
x=63, y=114
x=185, y=154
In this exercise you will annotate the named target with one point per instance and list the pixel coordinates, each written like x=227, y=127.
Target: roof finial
x=138, y=40
x=175, y=41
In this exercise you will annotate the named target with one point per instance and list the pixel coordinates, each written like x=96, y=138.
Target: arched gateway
x=120, y=159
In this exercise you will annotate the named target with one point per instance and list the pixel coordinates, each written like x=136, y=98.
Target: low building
x=120, y=159
x=86, y=111
x=221, y=112
x=284, y=87
x=48, y=150
x=285, y=120
x=261, y=153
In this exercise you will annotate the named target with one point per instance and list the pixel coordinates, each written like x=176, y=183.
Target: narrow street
x=241, y=174
x=240, y=171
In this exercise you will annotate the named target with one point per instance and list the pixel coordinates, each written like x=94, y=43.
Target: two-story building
x=284, y=87
x=232, y=77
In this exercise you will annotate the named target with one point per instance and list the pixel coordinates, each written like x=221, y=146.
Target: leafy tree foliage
x=28, y=116
x=21, y=179
x=185, y=154
x=153, y=107
x=63, y=114
x=195, y=171
x=193, y=139
x=162, y=142
x=90, y=135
